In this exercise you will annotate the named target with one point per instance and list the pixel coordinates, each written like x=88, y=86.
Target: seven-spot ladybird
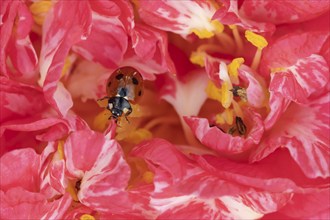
x=124, y=87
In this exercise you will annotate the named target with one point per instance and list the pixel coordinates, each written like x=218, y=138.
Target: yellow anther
x=198, y=58
x=148, y=177
x=225, y=117
x=87, y=217
x=257, y=40
x=213, y=92
x=101, y=120
x=233, y=69
x=204, y=33
x=217, y=26
x=39, y=10
x=226, y=94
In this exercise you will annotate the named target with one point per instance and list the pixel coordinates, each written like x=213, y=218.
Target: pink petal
x=284, y=11
x=175, y=16
x=151, y=44
x=108, y=38
x=18, y=203
x=216, y=139
x=19, y=100
x=304, y=130
x=15, y=42
x=102, y=169
x=228, y=14
x=183, y=189
x=24, y=163
x=289, y=49
x=60, y=32
x=295, y=83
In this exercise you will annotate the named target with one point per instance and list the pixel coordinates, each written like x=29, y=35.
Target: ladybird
x=124, y=87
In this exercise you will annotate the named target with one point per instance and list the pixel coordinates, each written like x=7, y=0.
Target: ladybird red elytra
x=124, y=87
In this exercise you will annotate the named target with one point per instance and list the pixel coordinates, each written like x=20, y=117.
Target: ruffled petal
x=60, y=32
x=16, y=45
x=279, y=12
x=304, y=130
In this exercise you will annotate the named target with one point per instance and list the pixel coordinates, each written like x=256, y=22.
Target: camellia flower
x=232, y=123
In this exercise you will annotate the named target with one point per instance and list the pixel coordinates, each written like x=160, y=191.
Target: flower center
x=232, y=98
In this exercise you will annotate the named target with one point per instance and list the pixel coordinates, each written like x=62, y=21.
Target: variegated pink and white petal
x=228, y=14
x=61, y=30
x=183, y=189
x=99, y=163
x=18, y=203
x=307, y=77
x=15, y=42
x=107, y=27
x=216, y=139
x=279, y=12
x=304, y=130
x=179, y=17
x=151, y=44
x=291, y=49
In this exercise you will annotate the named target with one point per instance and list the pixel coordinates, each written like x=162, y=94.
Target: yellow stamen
x=226, y=94
x=148, y=177
x=226, y=42
x=233, y=69
x=101, y=120
x=237, y=37
x=198, y=58
x=225, y=117
x=39, y=10
x=213, y=92
x=204, y=33
x=258, y=41
x=87, y=217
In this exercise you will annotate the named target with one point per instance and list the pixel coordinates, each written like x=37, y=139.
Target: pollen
x=198, y=58
x=257, y=40
x=134, y=136
x=233, y=69
x=213, y=92
x=87, y=217
x=39, y=10
x=101, y=120
x=148, y=177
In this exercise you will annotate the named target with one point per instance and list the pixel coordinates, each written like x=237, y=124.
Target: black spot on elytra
x=140, y=93
x=119, y=76
x=135, y=81
x=109, y=84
